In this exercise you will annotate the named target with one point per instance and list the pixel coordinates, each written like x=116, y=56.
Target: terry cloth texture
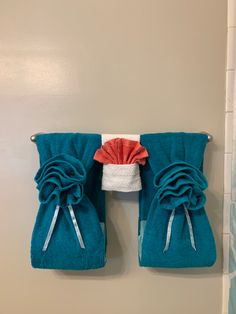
x=174, y=230
x=69, y=184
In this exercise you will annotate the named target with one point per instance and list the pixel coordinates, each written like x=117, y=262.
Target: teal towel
x=69, y=231
x=174, y=230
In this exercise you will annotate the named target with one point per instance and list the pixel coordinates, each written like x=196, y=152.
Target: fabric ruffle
x=121, y=151
x=178, y=184
x=62, y=178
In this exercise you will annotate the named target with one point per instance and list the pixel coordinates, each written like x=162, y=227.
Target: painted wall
x=117, y=67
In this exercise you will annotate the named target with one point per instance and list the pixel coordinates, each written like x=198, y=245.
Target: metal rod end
x=210, y=137
x=33, y=137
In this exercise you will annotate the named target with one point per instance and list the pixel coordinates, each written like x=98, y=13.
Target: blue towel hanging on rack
x=174, y=230
x=69, y=231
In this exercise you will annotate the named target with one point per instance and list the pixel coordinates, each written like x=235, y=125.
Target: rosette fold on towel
x=174, y=230
x=69, y=228
x=121, y=158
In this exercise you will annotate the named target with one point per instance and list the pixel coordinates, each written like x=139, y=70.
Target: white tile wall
x=226, y=238
x=227, y=173
x=231, y=13
x=227, y=201
x=228, y=132
x=231, y=48
x=229, y=108
x=229, y=90
x=225, y=294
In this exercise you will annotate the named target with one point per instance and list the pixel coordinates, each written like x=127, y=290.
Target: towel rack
x=33, y=137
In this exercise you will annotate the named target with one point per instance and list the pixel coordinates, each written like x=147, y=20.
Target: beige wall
x=106, y=66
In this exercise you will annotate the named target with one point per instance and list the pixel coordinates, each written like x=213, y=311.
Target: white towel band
x=122, y=178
